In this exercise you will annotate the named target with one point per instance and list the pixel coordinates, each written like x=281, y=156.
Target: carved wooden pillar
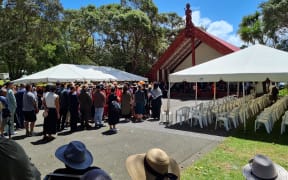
x=189, y=30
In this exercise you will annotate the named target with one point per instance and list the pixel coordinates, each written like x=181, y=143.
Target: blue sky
x=221, y=18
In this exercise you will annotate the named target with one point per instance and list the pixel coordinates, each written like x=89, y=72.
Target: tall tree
x=251, y=29
x=275, y=13
x=37, y=34
x=268, y=26
x=24, y=24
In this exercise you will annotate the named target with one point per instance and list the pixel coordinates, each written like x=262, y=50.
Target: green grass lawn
x=228, y=158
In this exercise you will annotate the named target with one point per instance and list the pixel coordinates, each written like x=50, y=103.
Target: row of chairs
x=241, y=112
x=284, y=122
x=270, y=115
x=229, y=111
x=204, y=113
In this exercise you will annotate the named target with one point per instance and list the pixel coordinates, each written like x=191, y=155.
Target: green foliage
x=283, y=92
x=35, y=35
x=24, y=27
x=251, y=30
x=275, y=13
x=228, y=158
x=269, y=26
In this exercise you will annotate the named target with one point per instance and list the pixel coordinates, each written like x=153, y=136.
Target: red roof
x=181, y=47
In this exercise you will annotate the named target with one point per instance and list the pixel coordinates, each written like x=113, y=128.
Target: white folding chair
x=263, y=119
x=284, y=122
x=166, y=117
x=222, y=117
x=197, y=116
x=182, y=114
x=234, y=116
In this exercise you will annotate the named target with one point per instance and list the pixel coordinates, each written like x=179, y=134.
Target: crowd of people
x=66, y=105
x=77, y=106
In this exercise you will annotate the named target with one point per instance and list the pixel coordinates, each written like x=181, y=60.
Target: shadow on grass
x=261, y=134
x=249, y=134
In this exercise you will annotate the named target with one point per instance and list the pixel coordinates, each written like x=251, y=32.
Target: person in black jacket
x=19, y=112
x=156, y=103
x=274, y=93
x=15, y=164
x=64, y=106
x=73, y=108
x=113, y=111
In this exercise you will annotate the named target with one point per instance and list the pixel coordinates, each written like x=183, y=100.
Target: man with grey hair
x=30, y=108
x=12, y=105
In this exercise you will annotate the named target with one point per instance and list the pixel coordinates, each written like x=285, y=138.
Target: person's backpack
x=116, y=106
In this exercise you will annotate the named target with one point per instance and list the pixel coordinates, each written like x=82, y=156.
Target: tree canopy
x=131, y=35
x=37, y=34
x=268, y=26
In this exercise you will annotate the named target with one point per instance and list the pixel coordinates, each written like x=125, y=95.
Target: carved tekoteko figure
x=189, y=24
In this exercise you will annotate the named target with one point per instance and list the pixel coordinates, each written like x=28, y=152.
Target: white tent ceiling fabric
x=72, y=72
x=255, y=63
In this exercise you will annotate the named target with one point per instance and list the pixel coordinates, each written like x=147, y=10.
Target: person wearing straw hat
x=153, y=165
x=78, y=161
x=262, y=167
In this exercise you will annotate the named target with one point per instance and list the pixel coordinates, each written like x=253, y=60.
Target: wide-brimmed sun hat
x=74, y=155
x=262, y=167
x=155, y=164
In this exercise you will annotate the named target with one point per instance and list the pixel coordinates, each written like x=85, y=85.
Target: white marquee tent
x=72, y=72
x=255, y=63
